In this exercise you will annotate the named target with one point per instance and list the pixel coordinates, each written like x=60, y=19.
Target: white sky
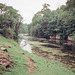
x=27, y=8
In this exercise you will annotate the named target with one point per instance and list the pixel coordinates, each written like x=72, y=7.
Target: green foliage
x=44, y=23
x=10, y=20
x=73, y=36
x=61, y=21
x=67, y=20
x=4, y=31
x=23, y=28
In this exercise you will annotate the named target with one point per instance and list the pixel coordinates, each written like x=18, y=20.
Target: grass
x=43, y=66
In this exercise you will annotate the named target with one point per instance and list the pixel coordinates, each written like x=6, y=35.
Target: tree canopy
x=46, y=23
x=10, y=21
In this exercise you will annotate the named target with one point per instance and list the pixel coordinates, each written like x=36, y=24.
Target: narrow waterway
x=49, y=49
x=25, y=46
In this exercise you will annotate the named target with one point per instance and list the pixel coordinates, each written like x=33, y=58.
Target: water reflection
x=25, y=46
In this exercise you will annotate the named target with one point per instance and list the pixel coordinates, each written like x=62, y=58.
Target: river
x=24, y=43
x=49, y=49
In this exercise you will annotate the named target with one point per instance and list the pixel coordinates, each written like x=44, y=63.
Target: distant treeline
x=46, y=23
x=10, y=21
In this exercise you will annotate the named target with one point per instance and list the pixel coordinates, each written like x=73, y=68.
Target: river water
x=49, y=49
x=25, y=46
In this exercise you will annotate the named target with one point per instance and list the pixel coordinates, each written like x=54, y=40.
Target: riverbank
x=52, y=49
x=26, y=63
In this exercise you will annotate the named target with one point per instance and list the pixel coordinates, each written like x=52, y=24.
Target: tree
x=9, y=19
x=23, y=28
x=46, y=23
x=67, y=21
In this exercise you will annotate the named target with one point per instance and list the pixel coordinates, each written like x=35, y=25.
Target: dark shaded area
x=69, y=48
x=51, y=46
x=66, y=46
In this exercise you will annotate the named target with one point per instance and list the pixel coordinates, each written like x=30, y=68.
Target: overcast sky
x=27, y=8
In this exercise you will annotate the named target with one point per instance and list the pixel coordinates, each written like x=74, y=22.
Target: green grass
x=44, y=67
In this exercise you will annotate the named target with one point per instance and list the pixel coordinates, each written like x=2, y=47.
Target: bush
x=6, y=31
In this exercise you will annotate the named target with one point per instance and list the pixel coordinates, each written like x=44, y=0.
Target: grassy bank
x=29, y=64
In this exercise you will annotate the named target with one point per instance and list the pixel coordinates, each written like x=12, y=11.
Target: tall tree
x=10, y=20
x=62, y=21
